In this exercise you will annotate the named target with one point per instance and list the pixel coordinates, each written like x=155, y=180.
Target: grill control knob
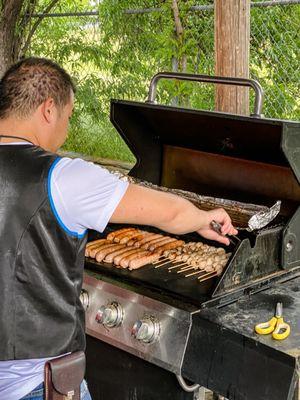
x=110, y=315
x=84, y=298
x=146, y=330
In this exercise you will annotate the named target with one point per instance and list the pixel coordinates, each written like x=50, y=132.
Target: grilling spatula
x=257, y=221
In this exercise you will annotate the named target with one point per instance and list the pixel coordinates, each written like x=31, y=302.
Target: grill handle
x=259, y=94
x=185, y=386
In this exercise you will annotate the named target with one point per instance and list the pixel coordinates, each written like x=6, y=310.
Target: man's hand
x=170, y=213
x=219, y=215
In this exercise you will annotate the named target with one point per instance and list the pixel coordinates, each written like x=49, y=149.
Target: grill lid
x=212, y=153
x=247, y=159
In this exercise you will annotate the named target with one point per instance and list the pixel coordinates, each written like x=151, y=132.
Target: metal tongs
x=233, y=239
x=257, y=221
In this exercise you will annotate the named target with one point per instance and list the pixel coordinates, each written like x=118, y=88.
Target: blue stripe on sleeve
x=62, y=225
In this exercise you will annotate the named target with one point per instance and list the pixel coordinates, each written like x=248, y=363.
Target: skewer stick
x=188, y=268
x=207, y=276
x=164, y=263
x=177, y=266
x=210, y=274
x=176, y=261
x=199, y=271
x=159, y=259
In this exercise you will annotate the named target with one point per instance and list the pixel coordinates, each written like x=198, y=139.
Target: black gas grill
x=244, y=164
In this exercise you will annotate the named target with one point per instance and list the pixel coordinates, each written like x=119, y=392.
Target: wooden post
x=232, y=40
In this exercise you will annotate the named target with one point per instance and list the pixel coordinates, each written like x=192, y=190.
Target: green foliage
x=116, y=54
x=275, y=55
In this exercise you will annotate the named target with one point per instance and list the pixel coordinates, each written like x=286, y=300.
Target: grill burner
x=192, y=328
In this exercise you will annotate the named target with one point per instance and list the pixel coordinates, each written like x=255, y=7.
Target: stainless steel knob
x=84, y=298
x=146, y=330
x=110, y=315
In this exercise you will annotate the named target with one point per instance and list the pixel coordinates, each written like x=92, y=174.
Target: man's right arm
x=170, y=213
x=86, y=196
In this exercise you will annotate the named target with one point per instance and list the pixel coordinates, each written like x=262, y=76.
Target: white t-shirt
x=82, y=196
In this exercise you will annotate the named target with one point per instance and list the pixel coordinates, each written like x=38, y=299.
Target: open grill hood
x=247, y=159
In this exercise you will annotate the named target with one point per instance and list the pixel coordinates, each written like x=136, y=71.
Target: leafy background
x=115, y=54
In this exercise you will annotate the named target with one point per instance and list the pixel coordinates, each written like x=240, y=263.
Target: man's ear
x=48, y=110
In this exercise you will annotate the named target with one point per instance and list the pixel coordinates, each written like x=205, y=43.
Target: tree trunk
x=16, y=30
x=232, y=40
x=9, y=41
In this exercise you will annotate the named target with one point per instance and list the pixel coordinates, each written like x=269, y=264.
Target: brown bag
x=63, y=377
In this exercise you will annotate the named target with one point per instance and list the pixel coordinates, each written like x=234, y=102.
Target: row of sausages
x=131, y=248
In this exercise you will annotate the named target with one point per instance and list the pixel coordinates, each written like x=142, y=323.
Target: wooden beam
x=232, y=40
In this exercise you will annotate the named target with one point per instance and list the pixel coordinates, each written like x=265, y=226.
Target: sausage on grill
x=138, y=254
x=147, y=239
x=151, y=242
x=94, y=242
x=124, y=235
x=140, y=262
x=117, y=260
x=104, y=252
x=101, y=247
x=110, y=257
x=99, y=243
x=137, y=240
x=169, y=246
x=132, y=235
x=159, y=244
x=115, y=234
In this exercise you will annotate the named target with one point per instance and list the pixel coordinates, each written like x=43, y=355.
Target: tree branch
x=28, y=14
x=36, y=24
x=179, y=33
x=178, y=24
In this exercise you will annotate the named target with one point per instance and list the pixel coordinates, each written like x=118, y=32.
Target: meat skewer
x=211, y=275
x=204, y=268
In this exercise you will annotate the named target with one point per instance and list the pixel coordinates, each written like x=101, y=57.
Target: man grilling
x=47, y=204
